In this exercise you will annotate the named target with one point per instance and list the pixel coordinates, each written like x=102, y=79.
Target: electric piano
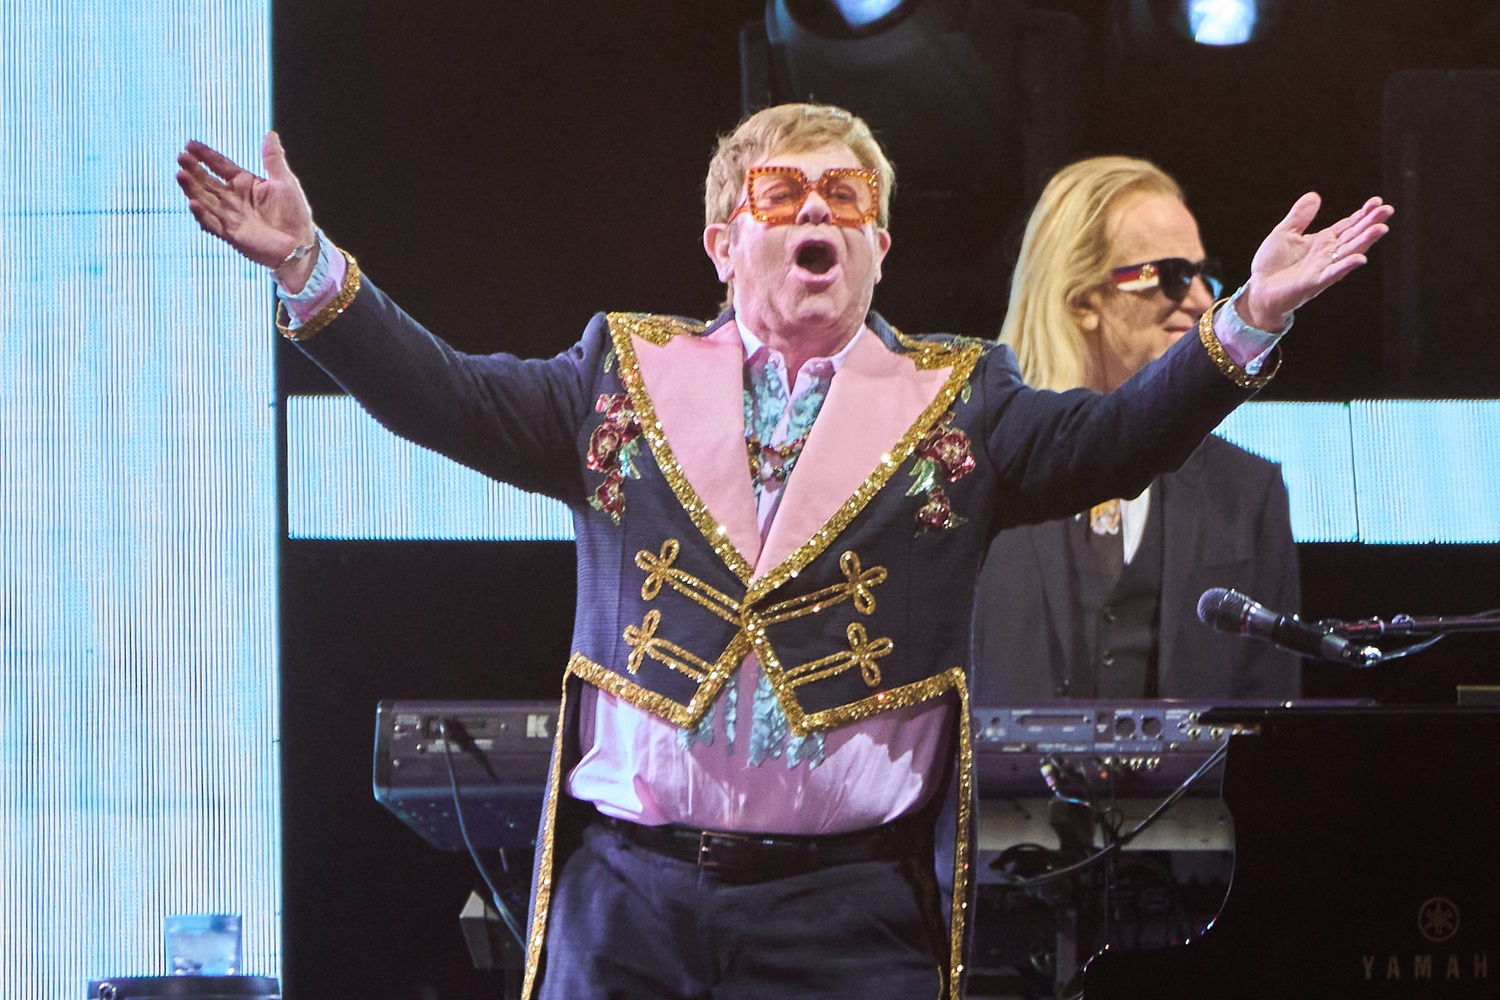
x=1364, y=839
x=498, y=752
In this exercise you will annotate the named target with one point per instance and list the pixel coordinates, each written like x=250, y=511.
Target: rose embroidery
x=944, y=454
x=609, y=497
x=949, y=448
x=612, y=451
x=937, y=512
x=604, y=447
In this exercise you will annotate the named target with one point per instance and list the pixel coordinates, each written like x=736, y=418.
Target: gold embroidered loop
x=656, y=567
x=860, y=582
x=659, y=570
x=640, y=637
x=862, y=653
x=858, y=588
x=865, y=653
x=643, y=642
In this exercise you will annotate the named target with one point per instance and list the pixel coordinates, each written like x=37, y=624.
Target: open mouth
x=816, y=258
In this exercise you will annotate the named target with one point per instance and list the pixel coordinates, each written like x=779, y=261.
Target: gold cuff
x=1221, y=357
x=328, y=313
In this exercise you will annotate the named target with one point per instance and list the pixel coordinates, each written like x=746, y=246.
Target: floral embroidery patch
x=612, y=451
x=944, y=454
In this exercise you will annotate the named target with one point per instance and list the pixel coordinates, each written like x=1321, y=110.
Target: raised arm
x=267, y=219
x=513, y=420
x=1059, y=453
x=1293, y=266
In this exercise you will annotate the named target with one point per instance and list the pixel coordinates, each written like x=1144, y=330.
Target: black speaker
x=1442, y=172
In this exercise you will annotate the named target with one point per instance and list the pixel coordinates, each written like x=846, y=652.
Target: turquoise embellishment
x=770, y=733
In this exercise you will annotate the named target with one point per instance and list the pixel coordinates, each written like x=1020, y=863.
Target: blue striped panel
x=1378, y=471
x=138, y=686
x=1427, y=470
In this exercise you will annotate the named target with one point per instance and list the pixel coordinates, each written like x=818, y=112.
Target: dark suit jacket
x=1226, y=523
x=872, y=504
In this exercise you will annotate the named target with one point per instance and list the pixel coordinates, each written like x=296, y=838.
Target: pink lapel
x=697, y=387
x=874, y=399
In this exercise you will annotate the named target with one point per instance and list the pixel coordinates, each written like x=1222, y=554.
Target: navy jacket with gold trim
x=859, y=599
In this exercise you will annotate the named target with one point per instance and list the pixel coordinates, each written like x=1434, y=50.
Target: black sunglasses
x=1173, y=275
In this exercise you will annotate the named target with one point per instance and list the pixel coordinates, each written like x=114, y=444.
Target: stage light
x=1171, y=28
x=975, y=102
x=848, y=18
x=1222, y=22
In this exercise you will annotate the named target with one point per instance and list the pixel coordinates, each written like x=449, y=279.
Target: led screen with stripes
x=1379, y=471
x=138, y=770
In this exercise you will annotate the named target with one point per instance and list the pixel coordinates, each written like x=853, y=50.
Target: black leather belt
x=773, y=854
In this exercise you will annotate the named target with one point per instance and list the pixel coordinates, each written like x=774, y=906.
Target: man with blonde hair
x=1103, y=604
x=761, y=784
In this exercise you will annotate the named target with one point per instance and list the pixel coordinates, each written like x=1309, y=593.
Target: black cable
x=463, y=831
x=1416, y=647
x=1211, y=762
x=1214, y=759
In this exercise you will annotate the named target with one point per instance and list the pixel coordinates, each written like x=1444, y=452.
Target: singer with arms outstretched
x=761, y=785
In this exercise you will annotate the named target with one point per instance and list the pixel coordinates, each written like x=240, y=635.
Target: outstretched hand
x=264, y=218
x=1294, y=266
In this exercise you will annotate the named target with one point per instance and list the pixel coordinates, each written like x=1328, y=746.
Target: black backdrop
x=504, y=170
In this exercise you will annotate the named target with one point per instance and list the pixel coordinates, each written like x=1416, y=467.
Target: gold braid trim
x=802, y=723
x=680, y=715
x=860, y=589
x=927, y=354
x=536, y=933
x=962, y=360
x=659, y=330
x=1221, y=357
x=654, y=329
x=659, y=570
x=332, y=311
x=861, y=653
x=643, y=642
x=962, y=864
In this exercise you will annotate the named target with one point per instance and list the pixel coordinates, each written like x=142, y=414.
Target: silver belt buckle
x=706, y=840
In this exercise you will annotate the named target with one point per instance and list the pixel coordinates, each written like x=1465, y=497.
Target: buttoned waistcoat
x=1226, y=523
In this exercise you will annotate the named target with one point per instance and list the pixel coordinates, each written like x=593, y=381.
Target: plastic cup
x=203, y=944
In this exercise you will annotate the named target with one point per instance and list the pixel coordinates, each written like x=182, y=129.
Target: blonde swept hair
x=1064, y=255
x=790, y=128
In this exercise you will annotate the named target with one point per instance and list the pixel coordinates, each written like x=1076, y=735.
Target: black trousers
x=630, y=924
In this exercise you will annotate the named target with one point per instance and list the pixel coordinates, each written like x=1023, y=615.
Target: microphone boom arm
x=1408, y=625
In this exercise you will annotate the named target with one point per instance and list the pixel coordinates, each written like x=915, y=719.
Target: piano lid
x=1365, y=864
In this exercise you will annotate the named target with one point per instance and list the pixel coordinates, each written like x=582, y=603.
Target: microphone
x=1231, y=611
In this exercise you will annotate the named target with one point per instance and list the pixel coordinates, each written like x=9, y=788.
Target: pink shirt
x=639, y=767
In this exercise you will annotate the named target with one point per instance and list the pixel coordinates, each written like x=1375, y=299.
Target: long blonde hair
x=1064, y=255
